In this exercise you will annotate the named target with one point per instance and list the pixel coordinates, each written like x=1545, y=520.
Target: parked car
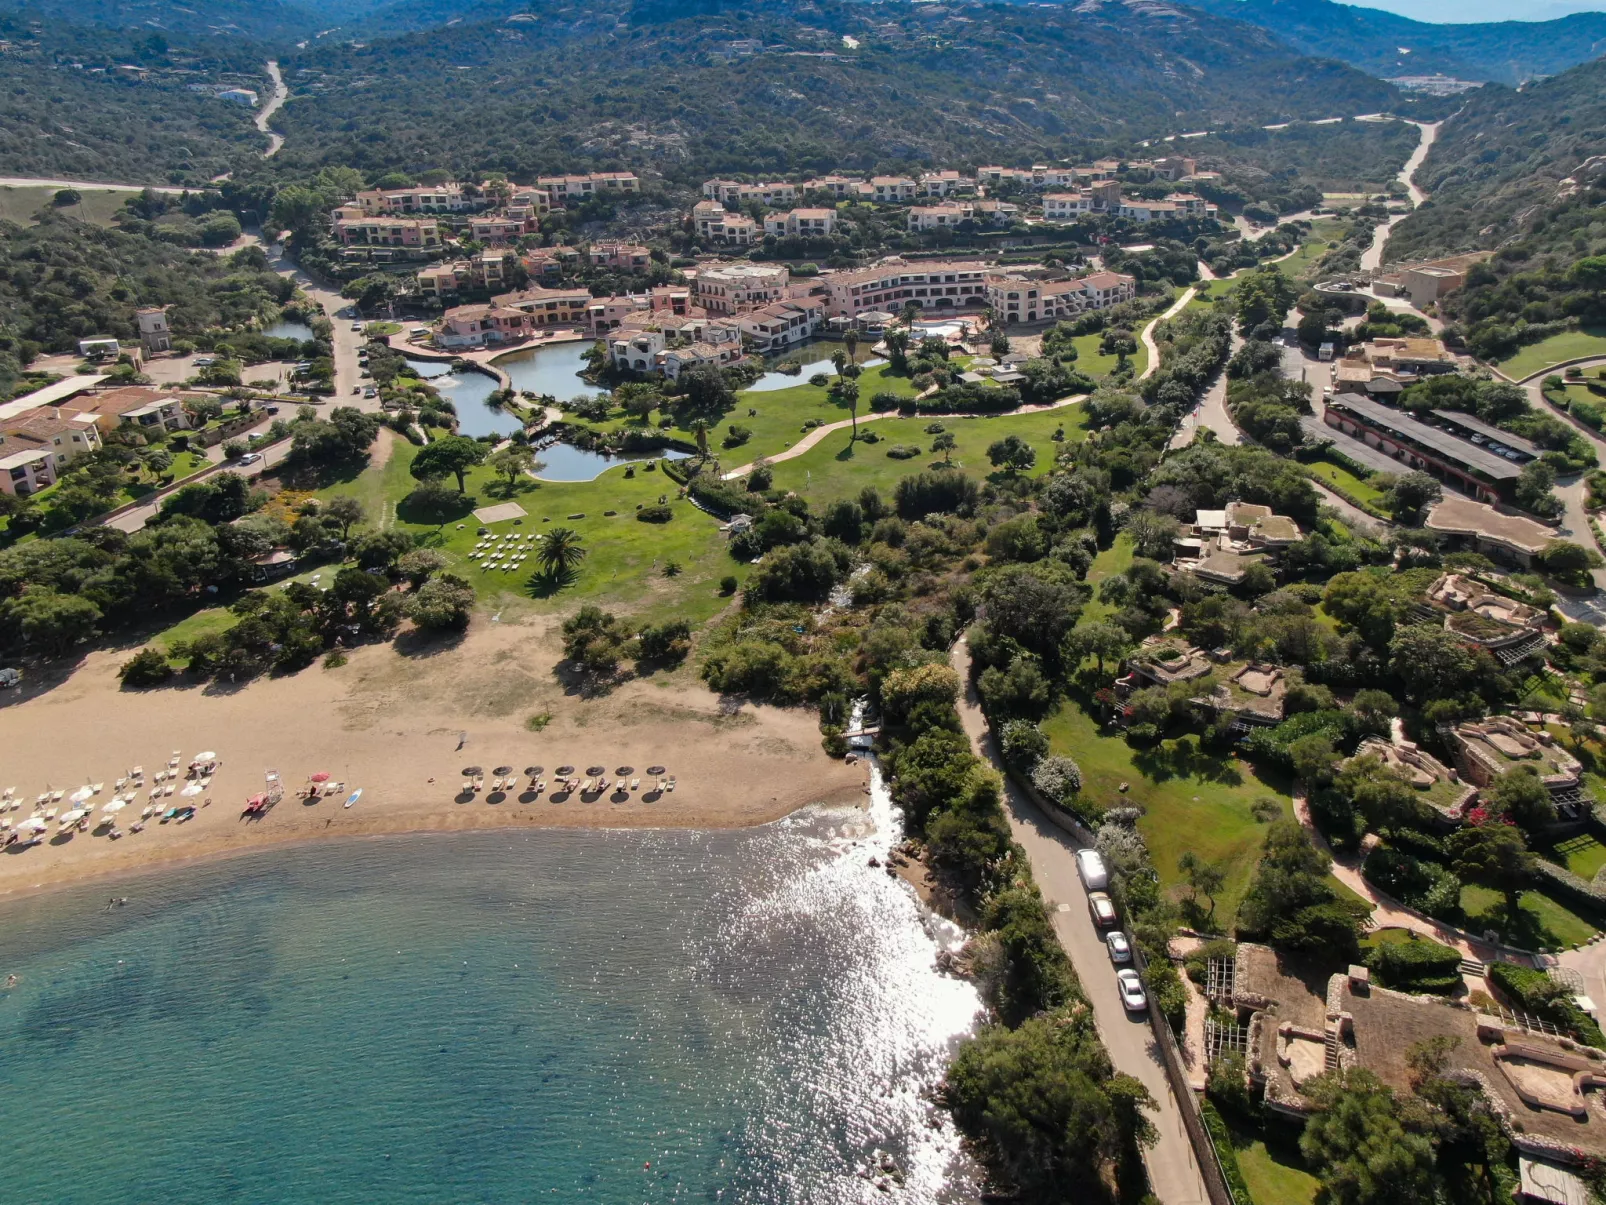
x=1120, y=948
x=1090, y=866
x=357, y=326
x=205, y=361
x=251, y=458
x=1102, y=908
x=370, y=392
x=1130, y=984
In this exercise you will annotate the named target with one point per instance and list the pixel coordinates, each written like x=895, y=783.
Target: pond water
x=553, y=370
x=467, y=391
x=288, y=329
x=816, y=357
x=565, y=462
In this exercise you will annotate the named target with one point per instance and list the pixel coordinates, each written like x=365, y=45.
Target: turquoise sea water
x=504, y=1016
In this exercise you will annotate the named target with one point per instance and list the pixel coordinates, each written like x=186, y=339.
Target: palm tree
x=850, y=340
x=850, y=395
x=560, y=551
x=700, y=429
x=839, y=360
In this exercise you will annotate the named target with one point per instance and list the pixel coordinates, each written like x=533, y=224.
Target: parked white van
x=1091, y=867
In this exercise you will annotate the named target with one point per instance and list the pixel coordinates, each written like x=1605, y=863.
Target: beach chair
x=635, y=784
x=97, y=787
x=168, y=789
x=55, y=796
x=671, y=783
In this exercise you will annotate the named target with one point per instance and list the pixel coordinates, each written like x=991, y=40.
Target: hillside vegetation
x=773, y=87
x=1506, y=52
x=65, y=112
x=1497, y=172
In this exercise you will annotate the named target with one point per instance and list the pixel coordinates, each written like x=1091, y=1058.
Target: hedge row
x=1535, y=992
x=1573, y=889
x=1221, y=1139
x=1419, y=964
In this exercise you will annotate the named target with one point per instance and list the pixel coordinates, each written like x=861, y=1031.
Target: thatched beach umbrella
x=532, y=771
x=501, y=770
x=565, y=770
x=596, y=770
x=655, y=770
x=623, y=770
x=471, y=771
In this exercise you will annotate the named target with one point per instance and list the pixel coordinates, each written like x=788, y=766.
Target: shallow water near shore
x=488, y=1017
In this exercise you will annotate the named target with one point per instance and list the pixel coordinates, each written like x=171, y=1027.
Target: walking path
x=1174, y=1176
x=280, y=95
x=1389, y=913
x=813, y=438
x=1177, y=307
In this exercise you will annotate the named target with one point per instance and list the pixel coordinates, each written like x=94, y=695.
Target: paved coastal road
x=1173, y=1173
x=135, y=520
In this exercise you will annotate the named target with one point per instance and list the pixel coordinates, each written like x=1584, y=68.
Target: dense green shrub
x=655, y=514
x=1535, y=992
x=1417, y=964
x=146, y=668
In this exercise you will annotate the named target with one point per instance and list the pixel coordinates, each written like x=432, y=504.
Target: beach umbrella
x=565, y=770
x=471, y=771
x=501, y=770
x=655, y=770
x=207, y=756
x=33, y=824
x=112, y=808
x=193, y=789
x=596, y=769
x=320, y=776
x=532, y=771
x=74, y=816
x=81, y=794
x=623, y=770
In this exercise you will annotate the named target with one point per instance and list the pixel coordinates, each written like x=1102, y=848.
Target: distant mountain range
x=1386, y=45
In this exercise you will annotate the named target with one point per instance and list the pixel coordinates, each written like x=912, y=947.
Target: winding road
x=1372, y=257
x=275, y=102
x=1174, y=1175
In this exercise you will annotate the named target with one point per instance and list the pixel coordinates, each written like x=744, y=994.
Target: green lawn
x=1097, y=365
x=1541, y=920
x=1569, y=345
x=211, y=620
x=626, y=558
x=1583, y=855
x=1192, y=800
x=1299, y=266
x=1273, y=1168
x=1117, y=558
x=1347, y=481
x=776, y=417
x=836, y=467
x=21, y=204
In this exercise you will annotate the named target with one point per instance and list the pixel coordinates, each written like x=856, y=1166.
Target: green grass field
x=1541, y=920
x=1272, y=1167
x=1097, y=365
x=1569, y=345
x=1117, y=558
x=1192, y=800
x=836, y=467
x=1584, y=855
x=1301, y=264
x=20, y=205
x=1347, y=481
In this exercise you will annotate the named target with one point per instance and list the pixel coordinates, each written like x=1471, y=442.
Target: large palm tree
x=560, y=551
x=850, y=340
x=850, y=395
x=839, y=359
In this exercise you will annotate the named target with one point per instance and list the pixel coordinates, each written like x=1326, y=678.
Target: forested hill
x=773, y=86
x=1497, y=172
x=1506, y=51
x=263, y=19
x=67, y=109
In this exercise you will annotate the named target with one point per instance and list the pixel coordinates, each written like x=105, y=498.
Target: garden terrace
x=1440, y=786
x=1252, y=690
x=1485, y=749
x=1166, y=664
x=1375, y=1028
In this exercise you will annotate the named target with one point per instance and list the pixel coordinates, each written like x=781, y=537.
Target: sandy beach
x=389, y=721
